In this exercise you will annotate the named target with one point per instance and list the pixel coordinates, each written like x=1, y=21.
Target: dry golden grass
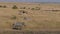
x=39, y=19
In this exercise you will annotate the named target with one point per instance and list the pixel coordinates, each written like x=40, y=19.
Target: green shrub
x=14, y=7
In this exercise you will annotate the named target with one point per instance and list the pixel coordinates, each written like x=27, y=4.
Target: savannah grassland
x=38, y=19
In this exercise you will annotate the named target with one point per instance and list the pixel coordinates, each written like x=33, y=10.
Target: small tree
x=14, y=7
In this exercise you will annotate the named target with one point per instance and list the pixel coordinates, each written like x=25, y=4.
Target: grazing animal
x=18, y=25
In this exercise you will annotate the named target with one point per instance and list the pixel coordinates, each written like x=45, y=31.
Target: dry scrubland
x=39, y=16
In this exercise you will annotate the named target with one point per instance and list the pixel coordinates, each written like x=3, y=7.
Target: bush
x=14, y=7
x=22, y=12
x=36, y=8
x=0, y=6
x=32, y=8
x=23, y=8
x=4, y=6
x=13, y=17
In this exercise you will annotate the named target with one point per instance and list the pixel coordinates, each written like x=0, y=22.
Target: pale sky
x=29, y=0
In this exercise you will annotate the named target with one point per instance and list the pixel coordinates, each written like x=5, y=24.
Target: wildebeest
x=18, y=25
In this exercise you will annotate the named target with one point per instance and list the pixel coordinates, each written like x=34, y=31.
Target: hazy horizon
x=29, y=0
